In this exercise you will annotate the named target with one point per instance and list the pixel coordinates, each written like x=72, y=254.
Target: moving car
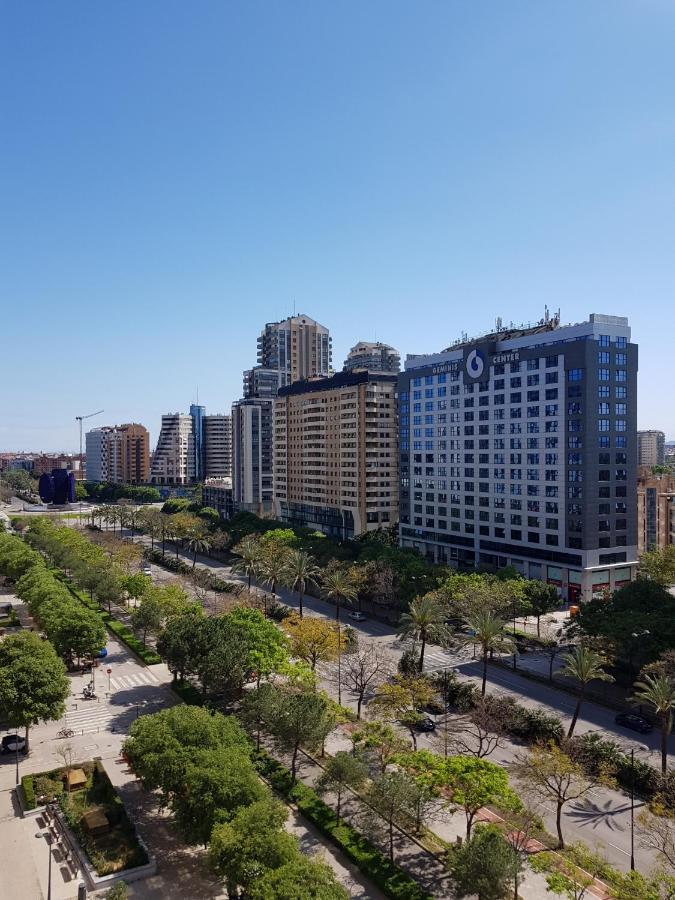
x=357, y=616
x=9, y=744
x=634, y=722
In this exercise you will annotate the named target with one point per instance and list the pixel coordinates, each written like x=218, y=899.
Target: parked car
x=634, y=722
x=426, y=724
x=146, y=568
x=357, y=616
x=9, y=744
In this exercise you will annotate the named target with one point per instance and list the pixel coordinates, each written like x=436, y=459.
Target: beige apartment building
x=118, y=454
x=656, y=511
x=335, y=459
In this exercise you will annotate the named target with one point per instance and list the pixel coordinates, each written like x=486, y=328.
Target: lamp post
x=47, y=836
x=632, y=806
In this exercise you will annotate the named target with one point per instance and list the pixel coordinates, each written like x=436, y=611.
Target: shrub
x=278, y=611
x=409, y=663
x=28, y=787
x=533, y=726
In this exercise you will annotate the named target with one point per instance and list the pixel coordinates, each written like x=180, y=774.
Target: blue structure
x=59, y=487
x=197, y=413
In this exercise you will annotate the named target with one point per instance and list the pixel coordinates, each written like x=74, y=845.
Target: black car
x=9, y=744
x=634, y=722
x=425, y=724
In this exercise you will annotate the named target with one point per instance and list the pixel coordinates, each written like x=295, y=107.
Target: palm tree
x=250, y=555
x=583, y=665
x=301, y=572
x=659, y=691
x=197, y=544
x=488, y=634
x=273, y=568
x=338, y=585
x=424, y=621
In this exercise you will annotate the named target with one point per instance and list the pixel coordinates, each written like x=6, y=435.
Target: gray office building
x=520, y=448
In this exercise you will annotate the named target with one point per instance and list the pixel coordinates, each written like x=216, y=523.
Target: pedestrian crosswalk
x=120, y=682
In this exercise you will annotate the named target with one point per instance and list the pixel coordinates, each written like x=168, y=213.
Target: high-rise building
x=174, y=459
x=217, y=439
x=252, y=455
x=656, y=511
x=197, y=414
x=520, y=448
x=651, y=448
x=118, y=453
x=336, y=453
x=374, y=356
x=296, y=348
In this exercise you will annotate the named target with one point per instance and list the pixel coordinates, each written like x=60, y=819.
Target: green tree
x=658, y=566
x=467, y=781
x=177, y=643
x=197, y=543
x=312, y=639
x=341, y=772
x=266, y=645
x=249, y=552
x=584, y=665
x=487, y=632
x=379, y=740
x=257, y=709
x=215, y=784
x=401, y=700
x=300, y=879
x=33, y=681
x=273, y=567
x=338, y=586
x=659, y=692
x=425, y=621
x=483, y=866
x=637, y=622
x=301, y=571
x=251, y=844
x=542, y=599
x=147, y=616
x=392, y=796
x=299, y=719
x=550, y=774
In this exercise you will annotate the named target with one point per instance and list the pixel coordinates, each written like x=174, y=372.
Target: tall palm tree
x=488, y=634
x=250, y=554
x=197, y=544
x=659, y=692
x=424, y=621
x=583, y=665
x=300, y=572
x=273, y=568
x=338, y=585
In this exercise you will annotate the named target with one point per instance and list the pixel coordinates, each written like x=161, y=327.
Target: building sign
x=445, y=367
x=510, y=356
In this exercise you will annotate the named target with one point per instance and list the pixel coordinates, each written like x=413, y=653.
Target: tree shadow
x=588, y=812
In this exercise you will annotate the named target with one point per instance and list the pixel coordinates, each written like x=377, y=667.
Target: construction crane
x=80, y=419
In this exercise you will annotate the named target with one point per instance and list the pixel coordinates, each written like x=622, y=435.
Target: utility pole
x=79, y=419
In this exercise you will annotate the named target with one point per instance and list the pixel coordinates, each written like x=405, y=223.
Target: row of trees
x=201, y=765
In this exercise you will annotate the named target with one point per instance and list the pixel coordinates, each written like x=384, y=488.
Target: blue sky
x=173, y=175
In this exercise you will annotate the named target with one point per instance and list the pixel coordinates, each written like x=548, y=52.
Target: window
x=620, y=409
x=552, y=393
x=551, y=409
x=551, y=362
x=532, y=380
x=551, y=378
x=532, y=364
x=603, y=357
x=532, y=396
x=603, y=409
x=575, y=374
x=621, y=392
x=621, y=375
x=603, y=374
x=621, y=343
x=603, y=340
x=533, y=412
x=621, y=425
x=620, y=359
x=603, y=424
x=603, y=390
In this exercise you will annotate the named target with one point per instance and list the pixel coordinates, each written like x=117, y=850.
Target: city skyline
x=399, y=177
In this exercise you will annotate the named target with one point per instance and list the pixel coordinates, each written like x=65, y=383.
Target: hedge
x=178, y=565
x=28, y=787
x=187, y=692
x=391, y=879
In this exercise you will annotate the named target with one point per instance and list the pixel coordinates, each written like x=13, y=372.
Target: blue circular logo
x=475, y=363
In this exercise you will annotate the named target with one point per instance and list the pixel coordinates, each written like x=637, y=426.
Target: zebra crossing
x=94, y=716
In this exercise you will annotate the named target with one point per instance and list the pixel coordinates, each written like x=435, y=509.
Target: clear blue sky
x=175, y=174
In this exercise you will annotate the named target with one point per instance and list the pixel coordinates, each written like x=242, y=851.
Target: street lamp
x=47, y=836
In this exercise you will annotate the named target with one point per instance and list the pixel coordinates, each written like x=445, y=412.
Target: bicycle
x=65, y=733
